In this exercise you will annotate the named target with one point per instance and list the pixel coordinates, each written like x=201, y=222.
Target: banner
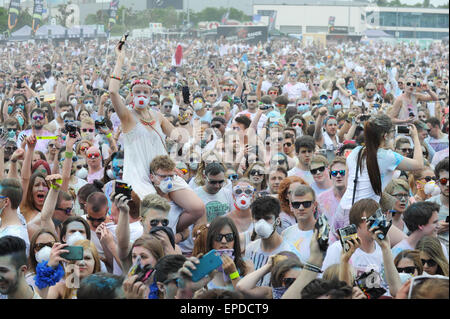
x=251, y=34
x=272, y=19
x=113, y=8
x=13, y=14
x=37, y=15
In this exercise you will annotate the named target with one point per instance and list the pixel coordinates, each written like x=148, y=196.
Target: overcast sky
x=433, y=2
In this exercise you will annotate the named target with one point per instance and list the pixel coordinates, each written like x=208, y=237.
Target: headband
x=141, y=81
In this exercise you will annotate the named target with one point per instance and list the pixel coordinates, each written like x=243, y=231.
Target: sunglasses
x=220, y=113
x=84, y=148
x=216, y=125
x=11, y=149
x=306, y=204
x=215, y=182
x=317, y=170
x=38, y=117
x=99, y=220
x=233, y=177
x=52, y=145
x=297, y=124
x=67, y=210
x=316, y=84
x=239, y=191
x=42, y=245
x=429, y=262
x=273, y=93
x=168, y=106
x=212, y=95
x=429, y=178
x=254, y=172
x=227, y=90
x=228, y=237
x=252, y=101
x=401, y=196
x=86, y=130
x=287, y=144
x=81, y=166
x=443, y=181
x=93, y=155
x=167, y=87
x=340, y=172
x=408, y=270
x=411, y=84
x=406, y=150
x=288, y=281
x=12, y=129
x=155, y=222
x=270, y=73
x=370, y=89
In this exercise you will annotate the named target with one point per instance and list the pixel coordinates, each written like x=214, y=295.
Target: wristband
x=116, y=78
x=109, y=135
x=46, y=137
x=54, y=186
x=312, y=268
x=234, y=275
x=68, y=154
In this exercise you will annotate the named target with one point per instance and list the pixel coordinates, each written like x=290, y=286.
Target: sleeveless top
x=408, y=107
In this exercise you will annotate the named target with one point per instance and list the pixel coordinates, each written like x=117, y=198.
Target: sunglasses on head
x=90, y=130
x=429, y=178
x=99, y=220
x=233, y=177
x=317, y=170
x=93, y=155
x=67, y=210
x=155, y=222
x=429, y=262
x=340, y=172
x=255, y=172
x=228, y=237
x=407, y=270
x=42, y=245
x=306, y=204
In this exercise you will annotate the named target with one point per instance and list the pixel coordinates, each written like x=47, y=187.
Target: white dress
x=141, y=146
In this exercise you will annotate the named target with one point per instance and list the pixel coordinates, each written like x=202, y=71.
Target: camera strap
x=355, y=181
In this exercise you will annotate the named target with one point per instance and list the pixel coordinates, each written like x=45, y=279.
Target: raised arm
x=67, y=165
x=247, y=284
x=415, y=163
x=50, y=202
x=26, y=166
x=114, y=85
x=318, y=136
x=123, y=228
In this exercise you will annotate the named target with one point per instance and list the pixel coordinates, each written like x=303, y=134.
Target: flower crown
x=141, y=81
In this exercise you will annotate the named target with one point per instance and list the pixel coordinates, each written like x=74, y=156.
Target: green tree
x=3, y=19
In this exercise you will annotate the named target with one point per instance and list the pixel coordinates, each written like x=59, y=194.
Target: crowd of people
x=307, y=171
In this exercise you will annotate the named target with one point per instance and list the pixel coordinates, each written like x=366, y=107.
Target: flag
x=113, y=8
x=256, y=18
x=272, y=19
x=225, y=17
x=13, y=14
x=37, y=15
x=178, y=56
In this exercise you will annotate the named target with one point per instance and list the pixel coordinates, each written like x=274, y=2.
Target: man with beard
x=13, y=268
x=37, y=126
x=327, y=140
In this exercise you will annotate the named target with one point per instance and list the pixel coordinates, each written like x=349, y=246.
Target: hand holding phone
x=123, y=188
x=75, y=253
x=208, y=263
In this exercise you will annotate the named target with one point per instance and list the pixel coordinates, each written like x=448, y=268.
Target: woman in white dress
x=143, y=138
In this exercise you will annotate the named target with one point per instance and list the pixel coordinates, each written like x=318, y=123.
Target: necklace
x=147, y=123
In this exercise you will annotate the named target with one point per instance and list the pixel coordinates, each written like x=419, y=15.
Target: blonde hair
x=154, y=201
x=163, y=162
x=398, y=182
x=88, y=121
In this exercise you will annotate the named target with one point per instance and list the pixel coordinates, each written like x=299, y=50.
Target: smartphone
x=122, y=40
x=346, y=234
x=208, y=263
x=123, y=188
x=402, y=129
x=75, y=253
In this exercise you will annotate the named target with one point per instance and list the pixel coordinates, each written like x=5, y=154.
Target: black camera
x=71, y=128
x=370, y=284
x=324, y=231
x=20, y=84
x=402, y=129
x=100, y=124
x=379, y=220
x=123, y=188
x=364, y=117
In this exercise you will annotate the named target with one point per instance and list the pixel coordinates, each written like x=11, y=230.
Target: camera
x=324, y=230
x=123, y=188
x=379, y=220
x=71, y=128
x=100, y=124
x=20, y=84
x=370, y=284
x=402, y=129
x=364, y=117
x=346, y=234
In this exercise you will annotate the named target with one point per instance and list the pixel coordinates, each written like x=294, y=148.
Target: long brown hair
x=433, y=248
x=31, y=258
x=374, y=130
